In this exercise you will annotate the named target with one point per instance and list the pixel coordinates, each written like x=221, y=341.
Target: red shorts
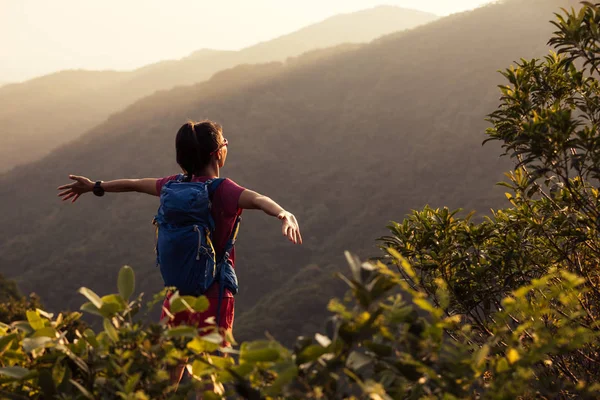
x=198, y=319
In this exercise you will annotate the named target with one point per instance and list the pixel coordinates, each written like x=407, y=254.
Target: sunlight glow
x=39, y=37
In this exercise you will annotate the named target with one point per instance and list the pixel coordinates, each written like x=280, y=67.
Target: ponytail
x=194, y=144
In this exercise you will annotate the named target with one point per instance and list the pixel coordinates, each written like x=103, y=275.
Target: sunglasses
x=225, y=143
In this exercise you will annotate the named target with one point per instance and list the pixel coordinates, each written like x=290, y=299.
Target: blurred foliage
x=387, y=341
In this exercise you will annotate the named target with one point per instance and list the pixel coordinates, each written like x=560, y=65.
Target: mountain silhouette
x=346, y=141
x=69, y=103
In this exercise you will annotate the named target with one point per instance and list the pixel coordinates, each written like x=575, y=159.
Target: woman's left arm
x=73, y=191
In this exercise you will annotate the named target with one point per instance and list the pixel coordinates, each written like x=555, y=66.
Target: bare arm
x=83, y=185
x=250, y=200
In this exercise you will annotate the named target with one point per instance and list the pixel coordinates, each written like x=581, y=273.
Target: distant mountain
x=348, y=142
x=69, y=103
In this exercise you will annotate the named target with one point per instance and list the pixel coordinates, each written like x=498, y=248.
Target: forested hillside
x=38, y=115
x=347, y=143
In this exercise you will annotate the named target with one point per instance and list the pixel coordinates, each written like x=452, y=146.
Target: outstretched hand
x=290, y=227
x=74, y=190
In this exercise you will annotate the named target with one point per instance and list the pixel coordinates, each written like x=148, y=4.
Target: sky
x=38, y=37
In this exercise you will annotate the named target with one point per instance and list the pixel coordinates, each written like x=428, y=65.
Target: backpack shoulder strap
x=213, y=185
x=232, y=238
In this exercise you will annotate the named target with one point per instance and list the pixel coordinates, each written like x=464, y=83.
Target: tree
x=548, y=121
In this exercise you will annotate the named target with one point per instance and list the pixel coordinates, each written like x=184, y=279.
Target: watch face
x=98, y=191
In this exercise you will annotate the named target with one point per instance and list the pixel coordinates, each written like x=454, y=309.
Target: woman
x=201, y=152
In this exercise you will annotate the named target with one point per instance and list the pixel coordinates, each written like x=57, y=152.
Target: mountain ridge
x=68, y=115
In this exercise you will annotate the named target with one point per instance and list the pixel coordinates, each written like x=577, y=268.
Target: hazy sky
x=43, y=36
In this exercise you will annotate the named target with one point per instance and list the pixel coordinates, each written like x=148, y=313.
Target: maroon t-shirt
x=224, y=211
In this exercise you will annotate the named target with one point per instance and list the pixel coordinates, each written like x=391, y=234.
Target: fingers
x=284, y=227
x=66, y=192
x=287, y=230
x=299, y=236
x=291, y=230
x=76, y=197
x=70, y=185
x=70, y=195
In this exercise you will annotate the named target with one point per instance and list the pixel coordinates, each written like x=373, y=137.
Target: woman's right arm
x=251, y=200
x=73, y=191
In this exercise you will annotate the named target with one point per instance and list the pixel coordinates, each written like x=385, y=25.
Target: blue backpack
x=184, y=249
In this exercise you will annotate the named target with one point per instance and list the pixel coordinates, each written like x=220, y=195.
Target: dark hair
x=194, y=143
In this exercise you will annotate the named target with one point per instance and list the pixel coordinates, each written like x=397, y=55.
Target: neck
x=210, y=170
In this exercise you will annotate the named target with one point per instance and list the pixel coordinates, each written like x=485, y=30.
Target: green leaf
x=357, y=360
x=34, y=319
x=132, y=383
x=110, y=330
x=201, y=368
x=243, y=370
x=83, y=390
x=408, y=269
x=199, y=345
x=90, y=336
x=260, y=355
x=6, y=341
x=91, y=296
x=91, y=308
x=481, y=355
x=126, y=282
x=23, y=326
x=201, y=304
x=512, y=355
x=213, y=337
x=108, y=310
x=182, y=303
x=183, y=331
x=47, y=331
x=31, y=344
x=502, y=365
x=58, y=373
x=311, y=353
x=14, y=372
x=425, y=305
x=114, y=299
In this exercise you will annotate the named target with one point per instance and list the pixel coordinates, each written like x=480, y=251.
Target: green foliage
x=387, y=341
x=548, y=122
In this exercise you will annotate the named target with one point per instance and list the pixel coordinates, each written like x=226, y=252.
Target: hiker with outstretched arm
x=197, y=222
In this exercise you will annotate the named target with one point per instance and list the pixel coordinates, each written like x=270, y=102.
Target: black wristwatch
x=98, y=190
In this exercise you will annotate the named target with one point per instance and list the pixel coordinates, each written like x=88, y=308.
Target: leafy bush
x=387, y=341
x=548, y=122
